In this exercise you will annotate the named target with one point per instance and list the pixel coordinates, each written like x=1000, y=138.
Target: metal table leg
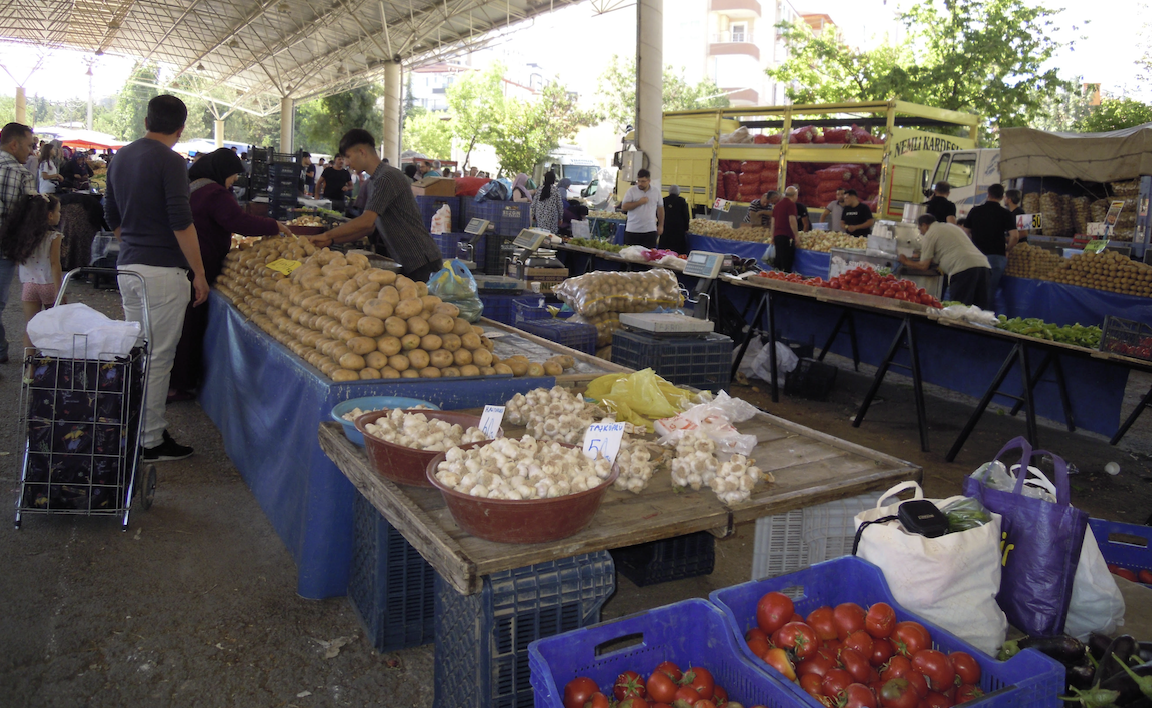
x=1016, y=355
x=749, y=333
x=845, y=316
x=904, y=338
x=1144, y=403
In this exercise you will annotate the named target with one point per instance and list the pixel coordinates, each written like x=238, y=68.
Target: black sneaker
x=167, y=451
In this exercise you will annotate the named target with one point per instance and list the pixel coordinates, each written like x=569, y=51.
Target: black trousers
x=971, y=287
x=785, y=253
x=647, y=239
x=424, y=272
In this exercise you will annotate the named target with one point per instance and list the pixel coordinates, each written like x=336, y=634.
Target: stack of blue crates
x=500, y=308
x=507, y=218
x=703, y=363
x=533, y=317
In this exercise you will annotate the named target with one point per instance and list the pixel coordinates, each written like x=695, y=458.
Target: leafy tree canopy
x=618, y=93
x=1115, y=114
x=427, y=133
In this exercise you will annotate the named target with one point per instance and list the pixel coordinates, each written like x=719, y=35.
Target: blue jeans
x=998, y=264
x=7, y=275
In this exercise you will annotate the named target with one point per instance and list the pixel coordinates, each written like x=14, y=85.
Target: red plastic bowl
x=520, y=520
x=407, y=465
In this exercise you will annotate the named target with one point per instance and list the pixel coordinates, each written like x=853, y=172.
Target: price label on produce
x=1096, y=246
x=722, y=204
x=490, y=420
x=1026, y=222
x=282, y=265
x=603, y=439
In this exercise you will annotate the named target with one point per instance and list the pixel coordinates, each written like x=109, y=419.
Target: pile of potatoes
x=1105, y=271
x=355, y=322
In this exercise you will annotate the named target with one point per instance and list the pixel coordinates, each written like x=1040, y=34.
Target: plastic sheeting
x=268, y=405
x=1068, y=304
x=1093, y=157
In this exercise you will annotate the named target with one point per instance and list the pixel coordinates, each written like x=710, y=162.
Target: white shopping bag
x=76, y=331
x=1097, y=605
x=951, y=580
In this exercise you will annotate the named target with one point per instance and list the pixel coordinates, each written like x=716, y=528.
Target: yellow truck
x=696, y=148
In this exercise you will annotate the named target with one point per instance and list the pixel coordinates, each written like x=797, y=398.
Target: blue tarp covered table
x=1068, y=304
x=268, y=404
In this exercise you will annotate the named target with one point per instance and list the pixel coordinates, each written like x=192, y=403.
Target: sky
x=576, y=45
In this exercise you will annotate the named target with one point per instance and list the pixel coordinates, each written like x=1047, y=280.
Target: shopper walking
x=958, y=258
x=147, y=206
x=29, y=237
x=49, y=168
x=993, y=230
x=16, y=143
x=645, y=212
x=940, y=206
x=520, y=191
x=547, y=205
x=335, y=184
x=677, y=218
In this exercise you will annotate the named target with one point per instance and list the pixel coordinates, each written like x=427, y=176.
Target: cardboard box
x=435, y=187
x=547, y=277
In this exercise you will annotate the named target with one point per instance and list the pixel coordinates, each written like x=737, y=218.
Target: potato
x=349, y=318
x=566, y=361
x=450, y=342
x=431, y=342
x=395, y=326
x=419, y=359
x=341, y=375
x=461, y=327
x=370, y=326
x=362, y=345
x=409, y=342
x=389, y=373
x=418, y=326
x=378, y=308
x=338, y=351
x=328, y=366
x=370, y=287
x=470, y=341
x=309, y=339
x=403, y=281
x=360, y=299
x=357, y=259
x=429, y=302
x=346, y=291
x=487, y=371
x=390, y=295
x=462, y=356
x=447, y=308
x=477, y=330
x=368, y=373
x=398, y=362
x=384, y=277
x=375, y=360
x=552, y=368
x=502, y=369
x=488, y=343
x=482, y=357
x=449, y=371
x=362, y=279
x=519, y=368
x=311, y=302
x=441, y=323
x=408, y=292
x=408, y=307
x=421, y=289
x=430, y=372
x=345, y=335
x=441, y=358
x=410, y=374
x=388, y=345
x=469, y=370
x=535, y=369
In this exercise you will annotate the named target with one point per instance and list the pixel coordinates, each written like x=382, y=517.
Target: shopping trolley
x=81, y=419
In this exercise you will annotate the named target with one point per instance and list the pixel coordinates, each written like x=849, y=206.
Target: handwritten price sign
x=490, y=420
x=603, y=439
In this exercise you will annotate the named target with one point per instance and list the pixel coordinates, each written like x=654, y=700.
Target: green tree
x=330, y=117
x=476, y=103
x=1063, y=111
x=1115, y=114
x=428, y=133
x=132, y=102
x=618, y=93
x=822, y=69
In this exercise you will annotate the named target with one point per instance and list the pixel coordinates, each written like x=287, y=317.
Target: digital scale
x=705, y=266
x=466, y=248
x=532, y=267
x=665, y=323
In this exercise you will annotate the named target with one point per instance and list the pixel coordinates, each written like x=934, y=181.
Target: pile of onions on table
x=521, y=469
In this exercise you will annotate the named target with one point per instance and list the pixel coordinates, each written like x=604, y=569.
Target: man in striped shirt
x=16, y=144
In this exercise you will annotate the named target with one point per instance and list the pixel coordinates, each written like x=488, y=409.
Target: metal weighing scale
x=466, y=249
x=533, y=264
x=705, y=266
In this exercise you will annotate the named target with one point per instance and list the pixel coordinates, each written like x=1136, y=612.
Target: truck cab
x=571, y=162
x=969, y=173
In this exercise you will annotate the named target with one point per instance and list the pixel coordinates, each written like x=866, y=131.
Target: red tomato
x=634, y=702
x=758, y=646
x=795, y=618
x=861, y=641
x=629, y=685
x=818, y=665
x=687, y=694
x=936, y=668
x=811, y=683
x=778, y=659
x=1124, y=573
x=821, y=620
x=720, y=697
x=880, y=620
x=700, y=679
x=897, y=667
x=849, y=618
x=857, y=695
x=919, y=683
x=799, y=638
x=598, y=700
x=704, y=703
x=1145, y=576
x=671, y=669
x=936, y=700
x=855, y=664
x=661, y=687
x=773, y=611
x=835, y=681
x=898, y=693
x=882, y=651
x=578, y=691
x=910, y=638
x=967, y=670
x=754, y=633
x=967, y=693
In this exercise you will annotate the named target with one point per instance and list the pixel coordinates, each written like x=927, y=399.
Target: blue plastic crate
x=669, y=559
x=496, y=250
x=1126, y=545
x=535, y=307
x=703, y=363
x=1027, y=680
x=507, y=218
x=575, y=335
x=482, y=639
x=689, y=633
x=449, y=244
x=391, y=587
x=499, y=308
x=430, y=205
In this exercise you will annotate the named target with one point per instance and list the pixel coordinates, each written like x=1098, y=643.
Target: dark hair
x=996, y=191
x=410, y=169
x=303, y=153
x=1013, y=194
x=960, y=222
x=643, y=173
x=217, y=166
x=942, y=187
x=926, y=220
x=12, y=131
x=851, y=193
x=354, y=137
x=549, y=180
x=243, y=155
x=26, y=226
x=166, y=114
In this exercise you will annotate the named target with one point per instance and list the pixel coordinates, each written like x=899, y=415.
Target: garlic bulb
x=695, y=464
x=736, y=478
x=521, y=469
x=552, y=414
x=636, y=465
x=417, y=431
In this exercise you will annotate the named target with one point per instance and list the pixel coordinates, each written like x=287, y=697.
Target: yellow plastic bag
x=639, y=398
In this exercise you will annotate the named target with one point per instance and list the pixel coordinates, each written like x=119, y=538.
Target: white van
x=969, y=173
x=571, y=162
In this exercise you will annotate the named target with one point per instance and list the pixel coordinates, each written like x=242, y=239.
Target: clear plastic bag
x=454, y=283
x=965, y=513
x=605, y=323
x=996, y=476
x=612, y=291
x=715, y=419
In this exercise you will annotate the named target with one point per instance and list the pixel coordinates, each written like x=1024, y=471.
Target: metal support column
x=21, y=106
x=845, y=316
x=1144, y=403
x=391, y=141
x=650, y=83
x=219, y=126
x=1017, y=355
x=287, y=115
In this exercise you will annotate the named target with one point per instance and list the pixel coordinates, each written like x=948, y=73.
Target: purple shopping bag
x=1040, y=546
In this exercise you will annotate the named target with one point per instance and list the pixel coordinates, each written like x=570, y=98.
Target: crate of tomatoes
x=681, y=652
x=833, y=634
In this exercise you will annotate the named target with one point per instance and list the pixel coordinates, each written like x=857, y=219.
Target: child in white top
x=29, y=237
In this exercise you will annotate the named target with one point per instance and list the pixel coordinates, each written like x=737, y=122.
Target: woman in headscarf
x=520, y=191
x=217, y=216
x=677, y=218
x=548, y=205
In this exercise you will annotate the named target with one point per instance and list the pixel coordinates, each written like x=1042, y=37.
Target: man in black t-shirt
x=307, y=175
x=994, y=232
x=856, y=219
x=335, y=183
x=939, y=205
x=1012, y=204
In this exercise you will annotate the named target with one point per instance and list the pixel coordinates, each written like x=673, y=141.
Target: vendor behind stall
x=76, y=172
x=390, y=211
x=966, y=267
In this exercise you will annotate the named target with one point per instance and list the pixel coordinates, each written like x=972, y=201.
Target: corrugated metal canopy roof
x=269, y=49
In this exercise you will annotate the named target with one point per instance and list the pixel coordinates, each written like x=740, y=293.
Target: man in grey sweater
x=146, y=204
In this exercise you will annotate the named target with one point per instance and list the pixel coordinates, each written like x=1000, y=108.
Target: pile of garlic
x=696, y=466
x=417, y=431
x=355, y=413
x=552, y=414
x=735, y=480
x=636, y=465
x=521, y=469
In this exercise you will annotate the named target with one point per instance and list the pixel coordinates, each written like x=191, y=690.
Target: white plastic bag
x=76, y=331
x=951, y=581
x=580, y=230
x=715, y=418
x=442, y=220
x=786, y=362
x=1097, y=604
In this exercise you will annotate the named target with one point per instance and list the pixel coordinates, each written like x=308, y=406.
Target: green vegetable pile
x=595, y=244
x=1076, y=334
